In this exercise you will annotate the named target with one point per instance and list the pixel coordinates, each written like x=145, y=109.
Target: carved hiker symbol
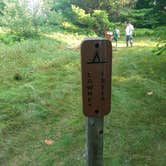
x=96, y=59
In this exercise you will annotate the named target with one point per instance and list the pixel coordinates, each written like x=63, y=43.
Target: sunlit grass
x=70, y=39
x=1, y=30
x=74, y=40
x=137, y=42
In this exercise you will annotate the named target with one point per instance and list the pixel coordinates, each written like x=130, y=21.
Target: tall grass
x=40, y=99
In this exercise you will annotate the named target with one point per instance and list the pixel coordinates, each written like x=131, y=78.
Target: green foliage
x=9, y=39
x=55, y=18
x=97, y=21
x=142, y=13
x=63, y=7
x=60, y=5
x=160, y=33
x=88, y=6
x=69, y=26
x=142, y=18
x=160, y=10
x=101, y=21
x=2, y=6
x=20, y=21
x=81, y=18
x=157, y=15
x=140, y=4
x=160, y=5
x=141, y=32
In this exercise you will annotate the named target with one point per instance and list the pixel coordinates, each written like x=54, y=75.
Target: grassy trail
x=40, y=99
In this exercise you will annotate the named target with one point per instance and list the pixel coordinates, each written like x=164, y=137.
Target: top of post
x=96, y=63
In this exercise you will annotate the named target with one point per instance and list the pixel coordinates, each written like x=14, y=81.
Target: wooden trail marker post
x=96, y=65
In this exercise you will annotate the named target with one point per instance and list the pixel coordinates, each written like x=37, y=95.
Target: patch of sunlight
x=1, y=30
x=141, y=43
x=72, y=40
x=122, y=78
x=68, y=66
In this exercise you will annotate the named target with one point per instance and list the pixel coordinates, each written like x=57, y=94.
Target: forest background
x=25, y=19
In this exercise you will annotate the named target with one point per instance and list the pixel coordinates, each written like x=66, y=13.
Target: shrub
x=9, y=38
x=161, y=38
x=97, y=21
x=55, y=18
x=143, y=32
x=69, y=26
x=2, y=6
x=142, y=18
x=81, y=18
x=101, y=21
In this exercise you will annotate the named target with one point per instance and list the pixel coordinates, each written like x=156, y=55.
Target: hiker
x=129, y=32
x=116, y=35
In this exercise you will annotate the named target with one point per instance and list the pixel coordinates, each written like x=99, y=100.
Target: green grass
x=40, y=98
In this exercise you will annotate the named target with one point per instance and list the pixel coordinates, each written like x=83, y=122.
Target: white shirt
x=118, y=32
x=129, y=30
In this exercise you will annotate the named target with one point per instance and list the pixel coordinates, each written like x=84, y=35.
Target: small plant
x=9, y=38
x=17, y=77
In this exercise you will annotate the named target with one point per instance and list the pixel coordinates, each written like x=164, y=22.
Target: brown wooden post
x=96, y=65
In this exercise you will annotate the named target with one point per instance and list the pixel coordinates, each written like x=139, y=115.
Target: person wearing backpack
x=129, y=34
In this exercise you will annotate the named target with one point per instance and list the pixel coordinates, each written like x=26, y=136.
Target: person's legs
x=127, y=40
x=131, y=41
